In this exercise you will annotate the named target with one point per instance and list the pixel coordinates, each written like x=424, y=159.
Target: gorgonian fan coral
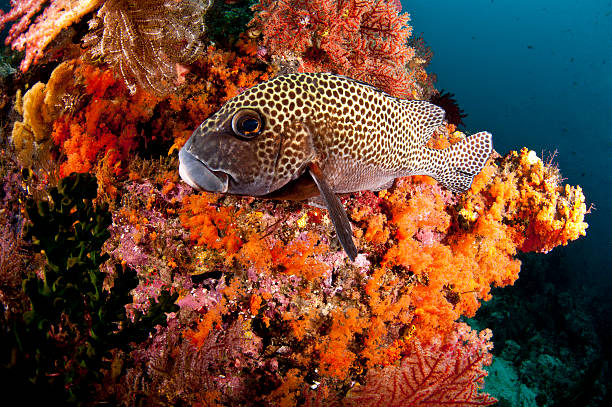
x=145, y=40
x=366, y=40
x=436, y=374
x=35, y=36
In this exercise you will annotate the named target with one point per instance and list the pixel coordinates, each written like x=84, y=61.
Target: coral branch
x=434, y=375
x=35, y=36
x=366, y=40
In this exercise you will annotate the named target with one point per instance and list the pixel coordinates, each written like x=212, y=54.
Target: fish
x=313, y=136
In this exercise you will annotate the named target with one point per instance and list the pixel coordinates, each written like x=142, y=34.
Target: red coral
x=105, y=130
x=366, y=40
x=449, y=374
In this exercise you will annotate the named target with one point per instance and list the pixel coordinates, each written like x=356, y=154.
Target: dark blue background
x=536, y=73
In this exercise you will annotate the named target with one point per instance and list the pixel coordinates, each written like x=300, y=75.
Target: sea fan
x=435, y=374
x=144, y=40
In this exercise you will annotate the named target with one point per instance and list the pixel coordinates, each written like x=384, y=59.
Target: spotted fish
x=307, y=135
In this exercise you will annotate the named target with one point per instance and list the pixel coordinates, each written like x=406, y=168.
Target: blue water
x=535, y=74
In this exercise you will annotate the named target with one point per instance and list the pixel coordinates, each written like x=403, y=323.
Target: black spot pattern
x=347, y=121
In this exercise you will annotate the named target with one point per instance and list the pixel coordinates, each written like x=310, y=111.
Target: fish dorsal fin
x=336, y=211
x=423, y=119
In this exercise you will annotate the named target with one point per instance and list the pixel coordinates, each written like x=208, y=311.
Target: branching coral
x=145, y=40
x=14, y=262
x=175, y=370
x=366, y=40
x=438, y=374
x=35, y=36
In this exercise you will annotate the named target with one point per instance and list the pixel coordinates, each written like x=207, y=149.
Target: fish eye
x=247, y=123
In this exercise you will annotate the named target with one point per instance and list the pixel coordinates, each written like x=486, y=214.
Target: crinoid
x=144, y=40
x=447, y=101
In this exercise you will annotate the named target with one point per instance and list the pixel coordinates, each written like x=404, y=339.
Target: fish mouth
x=195, y=173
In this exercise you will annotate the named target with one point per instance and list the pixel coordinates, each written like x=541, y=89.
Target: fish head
x=248, y=147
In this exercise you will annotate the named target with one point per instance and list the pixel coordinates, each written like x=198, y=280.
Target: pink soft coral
x=35, y=36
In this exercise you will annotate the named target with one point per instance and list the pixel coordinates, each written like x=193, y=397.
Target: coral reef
x=85, y=119
x=366, y=40
x=266, y=308
x=75, y=326
x=144, y=41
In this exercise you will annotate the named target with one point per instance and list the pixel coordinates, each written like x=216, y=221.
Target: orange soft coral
x=105, y=130
x=430, y=258
x=211, y=225
x=526, y=195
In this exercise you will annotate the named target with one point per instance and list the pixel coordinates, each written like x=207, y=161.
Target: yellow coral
x=40, y=107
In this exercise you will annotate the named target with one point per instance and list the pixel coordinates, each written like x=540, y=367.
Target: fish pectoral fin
x=336, y=211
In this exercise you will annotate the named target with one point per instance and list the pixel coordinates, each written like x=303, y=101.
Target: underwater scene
x=305, y=202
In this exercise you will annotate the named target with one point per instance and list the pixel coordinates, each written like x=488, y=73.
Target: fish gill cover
x=262, y=305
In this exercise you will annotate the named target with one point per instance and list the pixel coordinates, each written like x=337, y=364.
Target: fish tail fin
x=456, y=166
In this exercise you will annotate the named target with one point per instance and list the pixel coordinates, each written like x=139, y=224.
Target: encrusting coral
x=270, y=310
